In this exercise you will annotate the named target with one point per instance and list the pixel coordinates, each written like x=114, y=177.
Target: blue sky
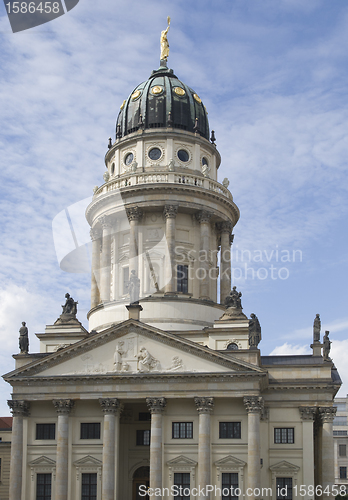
x=273, y=75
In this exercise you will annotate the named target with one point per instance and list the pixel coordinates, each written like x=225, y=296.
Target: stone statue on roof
x=316, y=328
x=327, y=346
x=234, y=299
x=134, y=287
x=254, y=331
x=23, y=339
x=164, y=43
x=70, y=306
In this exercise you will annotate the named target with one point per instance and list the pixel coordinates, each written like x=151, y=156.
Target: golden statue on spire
x=164, y=43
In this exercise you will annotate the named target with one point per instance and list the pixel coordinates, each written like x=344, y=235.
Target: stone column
x=105, y=264
x=204, y=407
x=134, y=214
x=307, y=416
x=170, y=212
x=156, y=407
x=225, y=229
x=111, y=410
x=95, y=278
x=203, y=218
x=63, y=407
x=19, y=410
x=254, y=406
x=327, y=415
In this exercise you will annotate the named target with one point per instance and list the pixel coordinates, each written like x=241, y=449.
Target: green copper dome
x=162, y=101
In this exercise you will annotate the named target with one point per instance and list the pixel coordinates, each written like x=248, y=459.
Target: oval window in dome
x=179, y=91
x=183, y=155
x=232, y=347
x=136, y=95
x=128, y=158
x=155, y=154
x=197, y=98
x=157, y=90
x=205, y=161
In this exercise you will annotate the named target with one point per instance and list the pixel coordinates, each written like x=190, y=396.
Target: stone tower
x=162, y=218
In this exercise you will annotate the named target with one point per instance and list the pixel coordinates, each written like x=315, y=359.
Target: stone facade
x=5, y=456
x=340, y=432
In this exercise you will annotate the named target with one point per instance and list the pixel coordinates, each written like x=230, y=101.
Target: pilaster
x=19, y=409
x=254, y=407
x=63, y=408
x=156, y=407
x=205, y=407
x=170, y=212
x=111, y=410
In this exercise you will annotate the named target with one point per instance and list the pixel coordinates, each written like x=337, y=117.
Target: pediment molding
x=284, y=466
x=87, y=461
x=182, y=460
x=42, y=461
x=230, y=460
x=131, y=327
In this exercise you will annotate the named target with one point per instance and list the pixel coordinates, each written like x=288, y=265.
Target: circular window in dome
x=157, y=90
x=136, y=95
x=232, y=347
x=179, y=91
x=205, y=161
x=197, y=98
x=155, y=154
x=128, y=158
x=183, y=155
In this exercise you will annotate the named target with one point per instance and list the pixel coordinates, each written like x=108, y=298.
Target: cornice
x=125, y=328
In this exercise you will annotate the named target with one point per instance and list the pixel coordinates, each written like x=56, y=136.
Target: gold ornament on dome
x=164, y=42
x=197, y=98
x=123, y=104
x=179, y=91
x=156, y=90
x=135, y=95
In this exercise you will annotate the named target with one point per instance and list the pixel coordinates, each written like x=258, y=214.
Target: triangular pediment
x=230, y=460
x=87, y=461
x=43, y=462
x=284, y=466
x=182, y=460
x=132, y=348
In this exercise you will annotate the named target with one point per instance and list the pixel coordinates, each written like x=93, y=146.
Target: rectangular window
x=182, y=279
x=143, y=438
x=43, y=486
x=343, y=472
x=229, y=430
x=340, y=433
x=90, y=430
x=144, y=416
x=284, y=435
x=284, y=488
x=182, y=430
x=182, y=481
x=45, y=431
x=229, y=484
x=89, y=486
x=340, y=421
x=125, y=280
x=342, y=450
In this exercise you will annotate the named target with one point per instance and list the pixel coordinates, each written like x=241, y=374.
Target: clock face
x=155, y=154
x=128, y=158
x=232, y=347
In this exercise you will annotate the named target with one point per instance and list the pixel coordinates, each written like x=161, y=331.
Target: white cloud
x=290, y=350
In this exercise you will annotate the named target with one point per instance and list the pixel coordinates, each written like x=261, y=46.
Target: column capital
x=63, y=406
x=110, y=405
x=106, y=221
x=95, y=234
x=308, y=412
x=225, y=227
x=19, y=408
x=203, y=216
x=204, y=405
x=156, y=405
x=253, y=404
x=327, y=413
x=134, y=213
x=170, y=211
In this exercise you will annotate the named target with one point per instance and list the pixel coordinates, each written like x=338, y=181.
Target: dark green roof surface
x=166, y=108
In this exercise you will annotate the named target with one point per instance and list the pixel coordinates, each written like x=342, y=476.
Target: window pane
x=343, y=472
x=229, y=485
x=89, y=486
x=182, y=480
x=284, y=488
x=342, y=450
x=90, y=430
x=229, y=430
x=45, y=431
x=43, y=486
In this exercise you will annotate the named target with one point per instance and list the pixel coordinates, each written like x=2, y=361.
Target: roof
x=301, y=359
x=5, y=423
